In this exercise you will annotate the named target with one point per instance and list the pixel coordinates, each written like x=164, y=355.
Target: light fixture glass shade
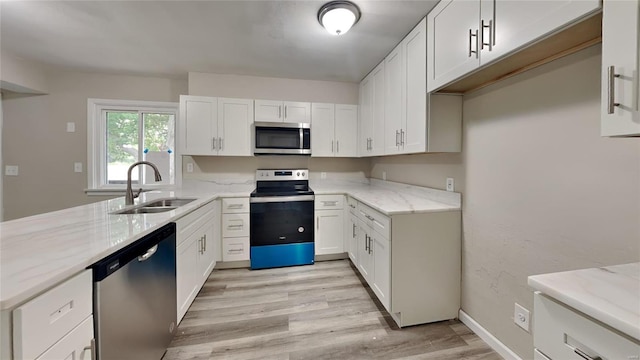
x=338, y=16
x=338, y=21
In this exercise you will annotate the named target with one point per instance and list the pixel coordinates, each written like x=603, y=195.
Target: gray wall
x=35, y=137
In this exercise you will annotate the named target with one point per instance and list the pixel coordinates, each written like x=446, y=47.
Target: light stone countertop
x=608, y=294
x=38, y=252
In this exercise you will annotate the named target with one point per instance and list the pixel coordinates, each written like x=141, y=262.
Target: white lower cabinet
x=57, y=324
x=329, y=223
x=197, y=250
x=560, y=332
x=410, y=261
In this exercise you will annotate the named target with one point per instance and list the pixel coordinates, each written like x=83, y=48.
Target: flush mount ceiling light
x=338, y=16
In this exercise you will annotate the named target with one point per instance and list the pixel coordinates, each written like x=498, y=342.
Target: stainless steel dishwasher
x=134, y=298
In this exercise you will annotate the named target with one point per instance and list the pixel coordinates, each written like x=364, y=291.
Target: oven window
x=277, y=138
x=281, y=223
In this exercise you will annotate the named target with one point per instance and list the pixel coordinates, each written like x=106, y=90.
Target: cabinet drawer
x=77, y=344
x=235, y=249
x=235, y=205
x=235, y=225
x=44, y=320
x=188, y=224
x=537, y=355
x=560, y=330
x=352, y=204
x=329, y=202
x=378, y=221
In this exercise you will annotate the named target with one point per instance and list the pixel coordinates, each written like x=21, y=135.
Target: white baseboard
x=485, y=335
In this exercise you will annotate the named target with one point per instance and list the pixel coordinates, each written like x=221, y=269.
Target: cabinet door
x=365, y=260
x=75, y=345
x=365, y=119
x=322, y=130
x=329, y=232
x=351, y=235
x=381, y=284
x=451, y=39
x=297, y=112
x=206, y=255
x=268, y=110
x=413, y=136
x=346, y=130
x=198, y=125
x=620, y=50
x=509, y=25
x=377, y=137
x=235, y=117
x=186, y=270
x=394, y=97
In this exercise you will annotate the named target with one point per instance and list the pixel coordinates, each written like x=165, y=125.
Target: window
x=122, y=132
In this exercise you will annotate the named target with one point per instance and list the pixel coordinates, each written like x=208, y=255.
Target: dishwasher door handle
x=148, y=254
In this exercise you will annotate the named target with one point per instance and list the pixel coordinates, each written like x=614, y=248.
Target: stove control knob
x=303, y=173
x=298, y=173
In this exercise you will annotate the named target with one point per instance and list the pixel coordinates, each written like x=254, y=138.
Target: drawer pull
x=329, y=203
x=91, y=348
x=62, y=311
x=368, y=217
x=352, y=206
x=235, y=250
x=239, y=226
x=235, y=206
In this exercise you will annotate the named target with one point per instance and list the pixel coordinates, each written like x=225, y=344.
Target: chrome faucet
x=128, y=199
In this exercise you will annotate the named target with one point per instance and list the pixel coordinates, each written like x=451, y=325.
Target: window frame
x=97, y=142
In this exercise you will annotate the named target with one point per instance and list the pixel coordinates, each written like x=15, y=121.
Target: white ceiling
x=172, y=38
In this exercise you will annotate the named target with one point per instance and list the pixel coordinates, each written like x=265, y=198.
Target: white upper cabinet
x=197, y=126
x=365, y=119
x=282, y=111
x=334, y=129
x=322, y=129
x=346, y=130
x=395, y=109
x=215, y=126
x=376, y=144
x=414, y=130
x=235, y=117
x=464, y=35
x=620, y=58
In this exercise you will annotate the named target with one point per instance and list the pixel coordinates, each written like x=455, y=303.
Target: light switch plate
x=11, y=170
x=323, y=175
x=450, y=185
x=77, y=167
x=189, y=167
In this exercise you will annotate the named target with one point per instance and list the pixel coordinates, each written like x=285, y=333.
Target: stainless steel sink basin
x=145, y=210
x=169, y=202
x=155, y=206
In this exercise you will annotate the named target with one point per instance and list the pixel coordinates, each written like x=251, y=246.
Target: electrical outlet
x=521, y=317
x=77, y=167
x=11, y=170
x=71, y=127
x=450, y=186
x=189, y=167
x=384, y=175
x=323, y=175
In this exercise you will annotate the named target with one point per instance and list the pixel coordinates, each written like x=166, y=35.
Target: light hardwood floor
x=322, y=311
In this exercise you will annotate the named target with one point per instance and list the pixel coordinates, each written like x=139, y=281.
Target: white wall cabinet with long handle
x=466, y=35
x=215, y=126
x=334, y=129
x=416, y=122
x=620, y=65
x=282, y=111
x=372, y=97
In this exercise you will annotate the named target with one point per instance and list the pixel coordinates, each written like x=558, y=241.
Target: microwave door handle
x=301, y=138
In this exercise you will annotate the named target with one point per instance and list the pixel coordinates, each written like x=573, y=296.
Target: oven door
x=277, y=220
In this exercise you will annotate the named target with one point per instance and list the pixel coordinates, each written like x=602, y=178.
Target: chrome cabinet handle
x=401, y=137
x=368, y=217
x=331, y=145
x=329, y=203
x=370, y=249
x=337, y=146
x=490, y=43
x=584, y=355
x=366, y=243
x=317, y=223
x=471, y=35
x=213, y=143
x=235, y=206
x=285, y=111
x=353, y=231
x=235, y=250
x=148, y=254
x=279, y=111
x=611, y=93
x=91, y=348
x=219, y=143
x=397, y=134
x=235, y=226
x=204, y=248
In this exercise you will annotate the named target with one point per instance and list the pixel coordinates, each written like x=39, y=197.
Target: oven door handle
x=273, y=199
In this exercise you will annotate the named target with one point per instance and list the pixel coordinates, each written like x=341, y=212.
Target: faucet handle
x=138, y=193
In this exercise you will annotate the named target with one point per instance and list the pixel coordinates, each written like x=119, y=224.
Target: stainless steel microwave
x=276, y=138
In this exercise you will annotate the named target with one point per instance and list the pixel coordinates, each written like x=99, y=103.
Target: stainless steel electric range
x=281, y=219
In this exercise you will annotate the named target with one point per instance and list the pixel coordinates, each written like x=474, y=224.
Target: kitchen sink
x=145, y=210
x=169, y=202
x=155, y=206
